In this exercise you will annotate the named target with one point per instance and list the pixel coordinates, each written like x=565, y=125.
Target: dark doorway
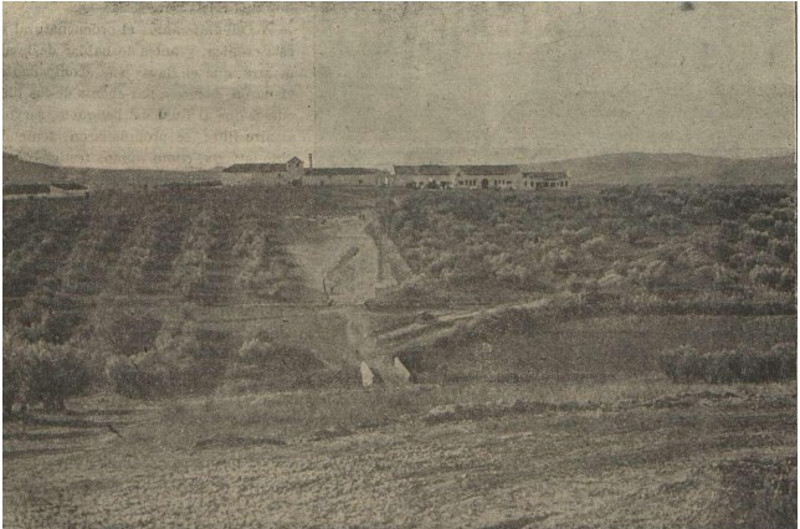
x=485, y=183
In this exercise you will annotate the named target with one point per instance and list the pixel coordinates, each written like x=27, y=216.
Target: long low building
x=293, y=172
x=287, y=173
x=477, y=177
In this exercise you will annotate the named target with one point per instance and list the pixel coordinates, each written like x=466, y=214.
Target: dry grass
x=296, y=415
x=641, y=453
x=758, y=493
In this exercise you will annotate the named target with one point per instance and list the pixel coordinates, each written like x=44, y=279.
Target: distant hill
x=19, y=171
x=646, y=168
x=98, y=178
x=760, y=170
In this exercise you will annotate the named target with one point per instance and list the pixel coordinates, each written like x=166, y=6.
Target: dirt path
x=343, y=261
x=340, y=259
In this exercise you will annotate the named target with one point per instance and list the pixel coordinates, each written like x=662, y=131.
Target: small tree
x=127, y=379
x=123, y=330
x=56, y=374
x=14, y=369
x=41, y=372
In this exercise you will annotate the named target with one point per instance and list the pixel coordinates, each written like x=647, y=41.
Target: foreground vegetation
x=687, y=364
x=640, y=453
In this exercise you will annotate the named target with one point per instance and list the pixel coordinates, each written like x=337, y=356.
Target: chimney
x=310, y=161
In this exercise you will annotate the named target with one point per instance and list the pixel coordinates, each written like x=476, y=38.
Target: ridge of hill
x=656, y=168
x=17, y=170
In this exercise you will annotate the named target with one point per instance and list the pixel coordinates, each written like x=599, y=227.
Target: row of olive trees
x=191, y=267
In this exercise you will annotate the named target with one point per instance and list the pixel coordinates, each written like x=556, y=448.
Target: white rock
x=367, y=376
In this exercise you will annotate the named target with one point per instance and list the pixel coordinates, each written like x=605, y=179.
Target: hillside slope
x=19, y=171
x=648, y=168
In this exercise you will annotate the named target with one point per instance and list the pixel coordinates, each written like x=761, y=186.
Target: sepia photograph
x=351, y=265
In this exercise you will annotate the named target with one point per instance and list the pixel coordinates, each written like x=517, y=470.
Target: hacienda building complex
x=294, y=172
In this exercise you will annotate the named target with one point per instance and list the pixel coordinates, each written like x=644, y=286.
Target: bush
x=669, y=224
x=124, y=330
x=675, y=363
x=687, y=364
x=770, y=276
x=14, y=367
x=760, y=221
x=272, y=363
x=126, y=379
x=758, y=493
x=41, y=372
x=48, y=315
x=177, y=364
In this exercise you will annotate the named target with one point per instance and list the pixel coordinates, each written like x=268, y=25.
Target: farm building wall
x=347, y=179
x=270, y=179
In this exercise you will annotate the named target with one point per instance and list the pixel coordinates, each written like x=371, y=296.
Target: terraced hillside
x=238, y=263
x=340, y=275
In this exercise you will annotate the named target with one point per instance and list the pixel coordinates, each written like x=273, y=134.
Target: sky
x=179, y=86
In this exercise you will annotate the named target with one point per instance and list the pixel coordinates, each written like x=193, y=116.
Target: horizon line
x=792, y=154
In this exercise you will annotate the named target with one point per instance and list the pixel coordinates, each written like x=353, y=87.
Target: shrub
x=177, y=364
x=783, y=250
x=758, y=239
x=766, y=275
x=14, y=367
x=48, y=315
x=676, y=363
x=58, y=373
x=41, y=372
x=784, y=229
x=126, y=379
x=779, y=363
x=669, y=224
x=758, y=493
x=687, y=364
x=274, y=364
x=124, y=330
x=760, y=221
